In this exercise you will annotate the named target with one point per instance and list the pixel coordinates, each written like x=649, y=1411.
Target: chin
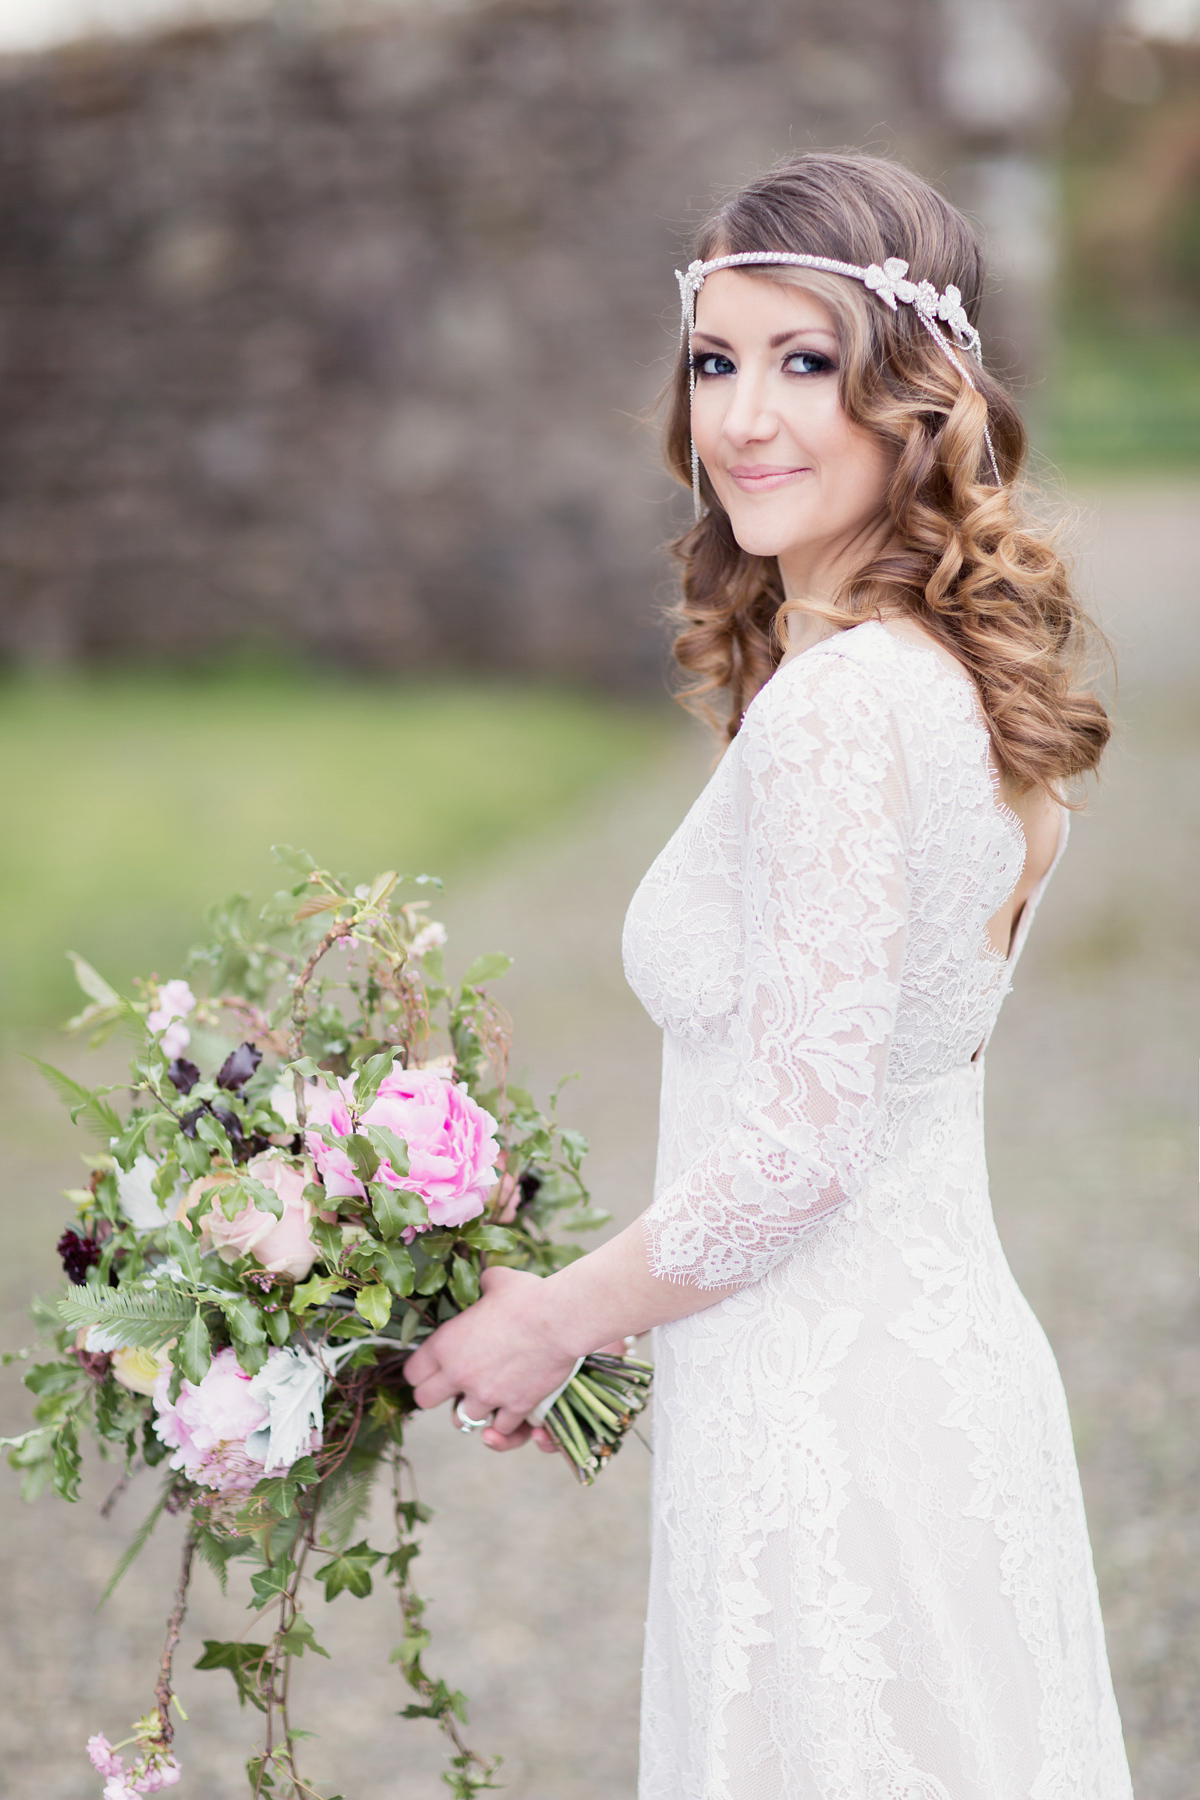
x=762, y=536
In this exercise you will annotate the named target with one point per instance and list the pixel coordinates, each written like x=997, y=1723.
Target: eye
x=711, y=362
x=808, y=362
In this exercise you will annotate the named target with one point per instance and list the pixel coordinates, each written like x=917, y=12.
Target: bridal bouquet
x=317, y=1158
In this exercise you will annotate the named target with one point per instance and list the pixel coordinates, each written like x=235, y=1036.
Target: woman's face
x=799, y=481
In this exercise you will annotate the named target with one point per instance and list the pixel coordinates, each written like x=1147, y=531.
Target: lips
x=764, y=478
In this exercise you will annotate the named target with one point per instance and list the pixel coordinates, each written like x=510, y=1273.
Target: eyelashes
x=710, y=365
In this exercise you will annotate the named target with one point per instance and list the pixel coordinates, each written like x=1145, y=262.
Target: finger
x=420, y=1365
x=544, y=1441
x=469, y=1408
x=505, y=1422
x=435, y=1390
x=512, y=1440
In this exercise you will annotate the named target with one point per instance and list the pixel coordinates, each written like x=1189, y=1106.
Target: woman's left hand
x=502, y=1355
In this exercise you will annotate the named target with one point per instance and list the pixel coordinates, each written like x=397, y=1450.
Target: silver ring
x=466, y=1422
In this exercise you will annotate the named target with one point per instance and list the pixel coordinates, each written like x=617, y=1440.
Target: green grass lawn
x=129, y=802
x=1124, y=402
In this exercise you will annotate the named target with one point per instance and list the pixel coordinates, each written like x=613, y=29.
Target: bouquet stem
x=163, y=1692
x=589, y=1419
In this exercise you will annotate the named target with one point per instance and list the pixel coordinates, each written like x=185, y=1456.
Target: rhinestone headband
x=889, y=281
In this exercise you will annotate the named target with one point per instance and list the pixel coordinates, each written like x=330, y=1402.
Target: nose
x=749, y=418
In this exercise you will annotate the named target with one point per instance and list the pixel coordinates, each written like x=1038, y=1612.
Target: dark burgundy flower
x=529, y=1183
x=183, y=1075
x=238, y=1067
x=242, y=1144
x=79, y=1254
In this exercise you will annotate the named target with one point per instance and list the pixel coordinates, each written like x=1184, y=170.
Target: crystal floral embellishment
x=889, y=281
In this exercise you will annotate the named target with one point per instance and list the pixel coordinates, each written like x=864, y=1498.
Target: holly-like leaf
x=394, y=1210
x=67, y=1461
x=375, y=1304
x=370, y=1074
x=350, y=1571
x=245, y=1662
x=575, y=1147
x=464, y=1282
x=390, y=1148
x=316, y=1291
x=492, y=1237
x=195, y=1349
x=395, y=1266
x=487, y=968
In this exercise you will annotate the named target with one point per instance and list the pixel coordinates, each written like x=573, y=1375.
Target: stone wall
x=339, y=339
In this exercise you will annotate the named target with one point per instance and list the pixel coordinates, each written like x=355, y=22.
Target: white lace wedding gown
x=871, y=1577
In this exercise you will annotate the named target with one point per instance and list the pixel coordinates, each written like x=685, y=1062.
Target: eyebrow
x=780, y=338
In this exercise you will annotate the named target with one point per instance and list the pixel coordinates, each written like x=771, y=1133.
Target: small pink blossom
x=208, y=1425
x=157, y=1775
x=283, y=1246
x=102, y=1756
x=117, y=1787
x=175, y=1001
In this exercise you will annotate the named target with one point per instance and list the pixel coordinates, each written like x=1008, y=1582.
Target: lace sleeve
x=825, y=819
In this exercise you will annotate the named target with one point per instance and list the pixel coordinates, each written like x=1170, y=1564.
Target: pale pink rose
x=208, y=1425
x=283, y=1246
x=452, y=1148
x=175, y=1001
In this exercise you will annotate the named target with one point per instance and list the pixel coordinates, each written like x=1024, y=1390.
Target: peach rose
x=283, y=1246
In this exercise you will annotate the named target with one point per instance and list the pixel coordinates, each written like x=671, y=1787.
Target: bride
x=871, y=1577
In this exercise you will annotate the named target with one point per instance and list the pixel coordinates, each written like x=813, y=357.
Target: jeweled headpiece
x=889, y=280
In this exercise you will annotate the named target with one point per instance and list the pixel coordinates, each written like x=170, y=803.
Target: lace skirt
x=871, y=1577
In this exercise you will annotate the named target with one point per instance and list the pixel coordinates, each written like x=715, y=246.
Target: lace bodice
x=821, y=916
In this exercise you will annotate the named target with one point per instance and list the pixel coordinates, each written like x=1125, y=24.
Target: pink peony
x=452, y=1148
x=208, y=1425
x=283, y=1246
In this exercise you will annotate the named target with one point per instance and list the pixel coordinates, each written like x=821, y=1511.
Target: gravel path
x=537, y=1586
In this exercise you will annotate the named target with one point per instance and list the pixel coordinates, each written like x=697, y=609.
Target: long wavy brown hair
x=963, y=559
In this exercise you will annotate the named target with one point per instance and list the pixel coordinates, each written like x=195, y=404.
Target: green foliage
x=349, y=1572
x=245, y=1662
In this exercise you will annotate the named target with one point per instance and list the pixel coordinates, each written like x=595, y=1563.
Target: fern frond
x=137, y=1544
x=85, y=1104
x=143, y=1318
x=347, y=1502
